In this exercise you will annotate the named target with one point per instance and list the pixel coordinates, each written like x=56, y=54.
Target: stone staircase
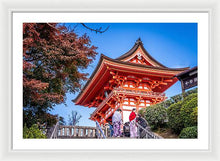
x=98, y=132
x=144, y=130
x=76, y=132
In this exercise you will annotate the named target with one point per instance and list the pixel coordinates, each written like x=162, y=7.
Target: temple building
x=133, y=80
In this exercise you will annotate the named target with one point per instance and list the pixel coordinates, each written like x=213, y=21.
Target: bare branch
x=96, y=30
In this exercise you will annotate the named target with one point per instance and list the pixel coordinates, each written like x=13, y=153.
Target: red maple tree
x=52, y=58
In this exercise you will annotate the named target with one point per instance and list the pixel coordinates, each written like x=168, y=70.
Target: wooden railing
x=142, y=93
x=129, y=92
x=104, y=102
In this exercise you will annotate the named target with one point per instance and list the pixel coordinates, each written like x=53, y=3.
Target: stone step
x=78, y=137
x=69, y=137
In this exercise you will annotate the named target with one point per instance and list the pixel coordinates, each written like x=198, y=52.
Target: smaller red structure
x=133, y=80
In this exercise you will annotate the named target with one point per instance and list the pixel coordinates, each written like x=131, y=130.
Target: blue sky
x=172, y=44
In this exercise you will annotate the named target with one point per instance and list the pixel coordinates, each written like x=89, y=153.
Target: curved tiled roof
x=119, y=60
x=134, y=48
x=102, y=57
x=141, y=65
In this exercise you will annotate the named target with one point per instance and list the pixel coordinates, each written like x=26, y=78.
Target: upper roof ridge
x=138, y=44
x=138, y=41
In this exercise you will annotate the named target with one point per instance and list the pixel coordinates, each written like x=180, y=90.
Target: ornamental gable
x=138, y=57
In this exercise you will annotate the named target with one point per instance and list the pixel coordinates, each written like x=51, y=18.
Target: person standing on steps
x=143, y=123
x=111, y=129
x=117, y=122
x=133, y=127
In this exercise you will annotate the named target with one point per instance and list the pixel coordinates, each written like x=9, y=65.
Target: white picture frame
x=6, y=138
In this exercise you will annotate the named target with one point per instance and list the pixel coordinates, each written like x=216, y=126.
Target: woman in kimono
x=133, y=127
x=117, y=122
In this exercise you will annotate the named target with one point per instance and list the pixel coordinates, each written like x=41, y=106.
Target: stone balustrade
x=78, y=132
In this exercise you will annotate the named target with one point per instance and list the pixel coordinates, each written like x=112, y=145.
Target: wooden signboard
x=188, y=78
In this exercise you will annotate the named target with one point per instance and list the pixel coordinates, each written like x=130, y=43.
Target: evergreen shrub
x=142, y=112
x=189, y=132
x=156, y=115
x=188, y=111
x=175, y=121
x=33, y=132
x=194, y=116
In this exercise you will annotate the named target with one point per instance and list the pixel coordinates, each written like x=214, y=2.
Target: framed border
x=6, y=9
x=202, y=20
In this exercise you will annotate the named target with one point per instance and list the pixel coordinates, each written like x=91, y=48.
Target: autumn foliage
x=53, y=57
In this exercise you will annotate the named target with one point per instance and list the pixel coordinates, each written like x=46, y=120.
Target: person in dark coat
x=126, y=129
x=111, y=129
x=141, y=121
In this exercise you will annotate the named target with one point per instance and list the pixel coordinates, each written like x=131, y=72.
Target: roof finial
x=139, y=41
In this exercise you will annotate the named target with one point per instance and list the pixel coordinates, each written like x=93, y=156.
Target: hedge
x=156, y=115
x=188, y=111
x=33, y=132
x=189, y=132
x=175, y=121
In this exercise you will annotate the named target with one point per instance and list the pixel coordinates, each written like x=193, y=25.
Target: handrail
x=149, y=133
x=55, y=130
x=98, y=128
x=103, y=102
x=151, y=93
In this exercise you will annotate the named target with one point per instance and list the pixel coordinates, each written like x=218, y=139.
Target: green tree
x=176, y=98
x=33, y=132
x=156, y=115
x=189, y=110
x=190, y=97
x=175, y=120
x=189, y=132
x=38, y=116
x=183, y=114
x=194, y=116
x=189, y=92
x=142, y=112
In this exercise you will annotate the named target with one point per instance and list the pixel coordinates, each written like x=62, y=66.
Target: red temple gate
x=134, y=80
